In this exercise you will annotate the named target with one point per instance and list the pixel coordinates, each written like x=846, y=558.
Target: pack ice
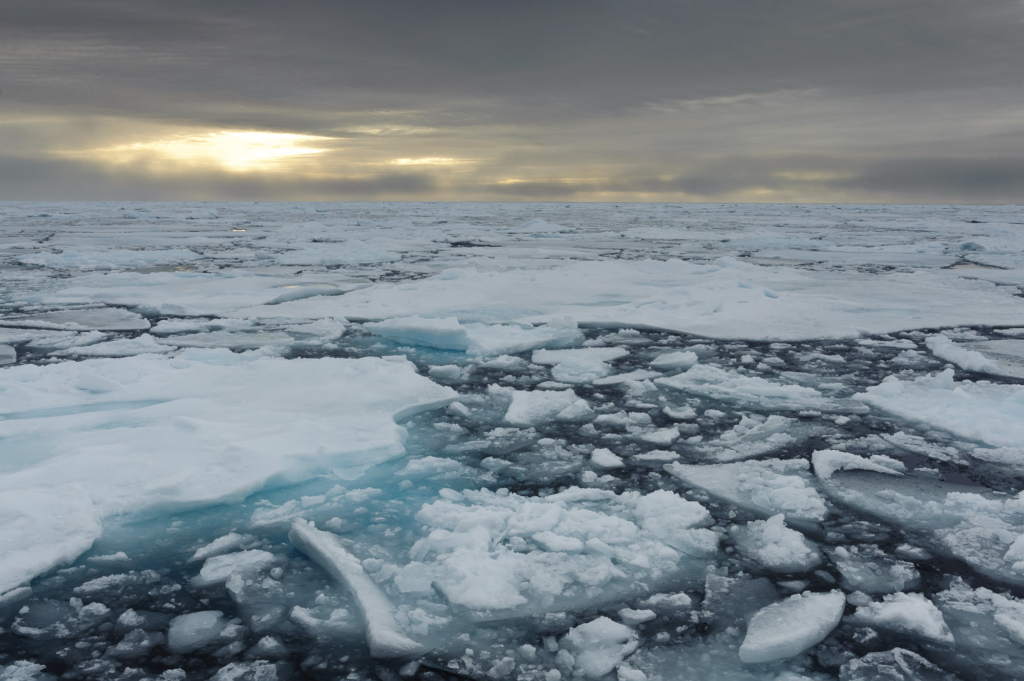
x=540, y=442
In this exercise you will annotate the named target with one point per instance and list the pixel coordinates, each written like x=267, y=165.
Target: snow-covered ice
x=631, y=442
x=791, y=626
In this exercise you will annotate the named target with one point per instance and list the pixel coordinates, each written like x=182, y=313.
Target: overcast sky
x=910, y=101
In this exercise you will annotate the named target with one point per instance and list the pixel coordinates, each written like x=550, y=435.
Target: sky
x=862, y=101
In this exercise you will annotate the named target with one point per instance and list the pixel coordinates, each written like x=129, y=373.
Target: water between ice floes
x=566, y=560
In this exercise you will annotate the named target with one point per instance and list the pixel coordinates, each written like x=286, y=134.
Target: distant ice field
x=623, y=442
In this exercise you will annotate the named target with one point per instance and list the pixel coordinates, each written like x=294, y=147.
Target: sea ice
x=972, y=360
x=210, y=430
x=384, y=635
x=989, y=413
x=581, y=557
x=499, y=551
x=674, y=360
x=775, y=546
x=791, y=626
x=218, y=569
x=191, y=632
x=534, y=408
x=768, y=487
x=583, y=365
x=599, y=646
x=869, y=570
x=482, y=340
x=752, y=436
x=88, y=319
x=730, y=386
x=124, y=347
x=906, y=613
x=892, y=665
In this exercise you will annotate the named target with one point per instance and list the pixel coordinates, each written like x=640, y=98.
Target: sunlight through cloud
x=234, y=150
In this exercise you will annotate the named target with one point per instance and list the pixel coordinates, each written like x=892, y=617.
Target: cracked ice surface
x=522, y=441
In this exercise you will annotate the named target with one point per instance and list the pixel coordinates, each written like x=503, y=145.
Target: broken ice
x=518, y=441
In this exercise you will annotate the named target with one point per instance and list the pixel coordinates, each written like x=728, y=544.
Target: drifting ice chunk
x=124, y=347
x=327, y=328
x=792, y=626
x=445, y=334
x=8, y=355
x=710, y=381
x=981, y=530
x=22, y=670
x=258, y=670
x=993, y=414
x=414, y=578
x=502, y=339
x=210, y=428
x=476, y=339
x=535, y=408
x=828, y=461
x=675, y=360
x=769, y=487
x=629, y=377
x=191, y=632
x=384, y=636
x=583, y=365
x=219, y=568
x=1012, y=457
x=497, y=552
x=910, y=614
x=987, y=624
x=97, y=319
x=599, y=646
x=604, y=458
x=972, y=360
x=870, y=570
x=751, y=437
x=445, y=372
x=892, y=665
x=635, y=617
x=225, y=544
x=227, y=339
x=775, y=546
x=677, y=601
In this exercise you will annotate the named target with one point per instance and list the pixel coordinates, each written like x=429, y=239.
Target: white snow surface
x=776, y=546
x=87, y=440
x=791, y=626
x=688, y=277
x=769, y=487
x=599, y=646
x=906, y=613
x=972, y=360
x=500, y=551
x=156, y=359
x=989, y=413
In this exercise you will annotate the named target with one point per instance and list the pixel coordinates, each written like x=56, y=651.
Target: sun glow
x=233, y=150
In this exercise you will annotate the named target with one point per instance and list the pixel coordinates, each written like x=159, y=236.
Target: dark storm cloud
x=298, y=62
x=945, y=178
x=517, y=77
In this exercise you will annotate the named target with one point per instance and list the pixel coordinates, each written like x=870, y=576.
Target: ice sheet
x=208, y=429
x=533, y=532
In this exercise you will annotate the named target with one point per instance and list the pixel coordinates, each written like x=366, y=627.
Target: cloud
x=28, y=179
x=581, y=99
x=944, y=179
